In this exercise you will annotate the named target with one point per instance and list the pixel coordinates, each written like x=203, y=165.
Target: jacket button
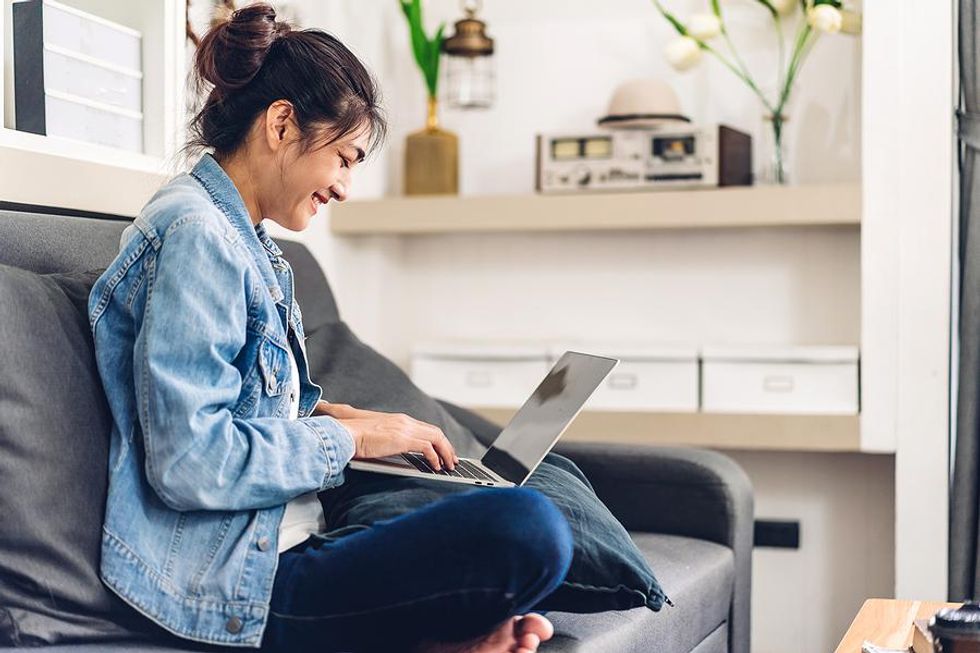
x=234, y=625
x=263, y=544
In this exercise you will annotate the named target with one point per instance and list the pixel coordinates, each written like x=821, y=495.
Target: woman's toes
x=535, y=624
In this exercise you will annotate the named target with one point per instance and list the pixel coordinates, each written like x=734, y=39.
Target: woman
x=213, y=529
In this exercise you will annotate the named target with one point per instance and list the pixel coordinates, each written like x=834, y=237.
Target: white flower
x=704, y=26
x=825, y=18
x=784, y=7
x=683, y=53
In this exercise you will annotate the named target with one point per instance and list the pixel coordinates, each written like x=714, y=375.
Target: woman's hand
x=377, y=434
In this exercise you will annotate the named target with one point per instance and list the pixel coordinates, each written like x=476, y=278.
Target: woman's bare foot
x=520, y=634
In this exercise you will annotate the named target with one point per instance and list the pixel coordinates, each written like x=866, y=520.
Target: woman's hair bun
x=232, y=53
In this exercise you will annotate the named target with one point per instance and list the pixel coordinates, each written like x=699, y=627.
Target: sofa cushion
x=700, y=576
x=54, y=426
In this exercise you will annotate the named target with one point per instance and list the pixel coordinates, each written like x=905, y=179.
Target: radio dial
x=581, y=176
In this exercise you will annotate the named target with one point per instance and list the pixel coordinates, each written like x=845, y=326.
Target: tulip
x=825, y=18
x=683, y=53
x=784, y=7
x=704, y=26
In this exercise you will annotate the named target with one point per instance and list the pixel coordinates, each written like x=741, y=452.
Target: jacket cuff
x=337, y=444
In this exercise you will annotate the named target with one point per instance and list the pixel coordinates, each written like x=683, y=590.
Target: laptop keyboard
x=464, y=468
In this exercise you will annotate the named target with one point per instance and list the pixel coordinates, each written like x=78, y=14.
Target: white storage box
x=76, y=75
x=478, y=374
x=649, y=377
x=787, y=380
x=88, y=34
x=91, y=79
x=71, y=117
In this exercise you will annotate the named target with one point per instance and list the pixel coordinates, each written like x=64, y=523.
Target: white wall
x=803, y=601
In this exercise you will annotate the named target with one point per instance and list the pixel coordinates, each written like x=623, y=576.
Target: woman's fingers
x=441, y=443
x=426, y=449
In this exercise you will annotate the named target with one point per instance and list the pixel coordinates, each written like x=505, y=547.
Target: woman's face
x=298, y=183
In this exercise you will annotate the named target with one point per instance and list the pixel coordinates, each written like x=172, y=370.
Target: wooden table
x=887, y=623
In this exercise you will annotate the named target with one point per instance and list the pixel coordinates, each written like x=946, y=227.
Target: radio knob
x=581, y=176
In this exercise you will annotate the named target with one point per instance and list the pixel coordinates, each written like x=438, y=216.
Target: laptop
x=526, y=439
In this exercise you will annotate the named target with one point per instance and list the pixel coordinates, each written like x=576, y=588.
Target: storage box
x=76, y=75
x=71, y=117
x=90, y=79
x=787, y=380
x=478, y=374
x=649, y=377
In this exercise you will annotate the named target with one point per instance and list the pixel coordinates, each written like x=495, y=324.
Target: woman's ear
x=278, y=123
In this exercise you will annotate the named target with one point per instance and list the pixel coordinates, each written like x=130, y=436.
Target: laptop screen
x=535, y=428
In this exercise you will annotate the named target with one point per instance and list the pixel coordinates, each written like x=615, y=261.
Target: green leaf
x=836, y=4
x=716, y=8
x=768, y=5
x=678, y=25
x=427, y=51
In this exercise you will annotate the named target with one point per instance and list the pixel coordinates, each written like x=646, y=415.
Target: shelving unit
x=741, y=207
x=840, y=433
x=59, y=172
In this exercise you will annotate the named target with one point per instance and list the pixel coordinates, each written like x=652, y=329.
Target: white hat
x=643, y=103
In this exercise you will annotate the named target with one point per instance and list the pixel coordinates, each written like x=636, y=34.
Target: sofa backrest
x=58, y=243
x=54, y=426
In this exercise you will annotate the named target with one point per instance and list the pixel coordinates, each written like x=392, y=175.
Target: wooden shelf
x=58, y=172
x=757, y=206
x=825, y=433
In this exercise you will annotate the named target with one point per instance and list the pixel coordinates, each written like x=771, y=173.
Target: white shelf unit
x=84, y=176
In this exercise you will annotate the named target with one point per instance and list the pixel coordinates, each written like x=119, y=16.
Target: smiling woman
x=288, y=114
x=213, y=516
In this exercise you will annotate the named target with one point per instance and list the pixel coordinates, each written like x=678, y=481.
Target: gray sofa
x=689, y=511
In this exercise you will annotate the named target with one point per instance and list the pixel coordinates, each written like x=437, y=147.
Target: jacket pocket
x=274, y=367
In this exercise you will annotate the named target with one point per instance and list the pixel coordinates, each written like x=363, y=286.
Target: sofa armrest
x=671, y=490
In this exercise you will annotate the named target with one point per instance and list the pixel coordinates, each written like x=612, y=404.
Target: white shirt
x=304, y=514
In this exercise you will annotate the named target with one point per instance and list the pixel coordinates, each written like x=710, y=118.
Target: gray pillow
x=54, y=431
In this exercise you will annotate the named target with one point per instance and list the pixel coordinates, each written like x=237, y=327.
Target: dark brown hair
x=252, y=60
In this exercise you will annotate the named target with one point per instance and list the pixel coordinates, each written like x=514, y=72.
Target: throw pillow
x=607, y=572
x=54, y=428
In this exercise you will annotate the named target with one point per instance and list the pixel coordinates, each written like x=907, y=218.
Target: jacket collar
x=226, y=197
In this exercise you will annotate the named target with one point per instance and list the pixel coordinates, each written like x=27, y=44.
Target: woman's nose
x=339, y=191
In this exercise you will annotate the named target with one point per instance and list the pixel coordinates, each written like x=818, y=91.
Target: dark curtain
x=964, y=536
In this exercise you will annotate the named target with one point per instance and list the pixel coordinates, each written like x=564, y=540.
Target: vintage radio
x=686, y=156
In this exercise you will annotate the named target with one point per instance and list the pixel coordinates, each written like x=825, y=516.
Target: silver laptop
x=526, y=439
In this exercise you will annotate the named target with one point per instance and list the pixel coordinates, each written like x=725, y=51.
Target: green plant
x=427, y=51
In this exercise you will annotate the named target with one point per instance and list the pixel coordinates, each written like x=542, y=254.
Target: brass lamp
x=469, y=65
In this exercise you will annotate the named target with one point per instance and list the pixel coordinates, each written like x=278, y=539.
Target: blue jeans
x=450, y=571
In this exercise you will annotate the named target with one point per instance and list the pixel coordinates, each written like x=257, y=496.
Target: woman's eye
x=344, y=163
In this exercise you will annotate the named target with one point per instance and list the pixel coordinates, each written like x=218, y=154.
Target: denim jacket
x=192, y=323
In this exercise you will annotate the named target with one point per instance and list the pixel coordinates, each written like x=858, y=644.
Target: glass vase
x=774, y=169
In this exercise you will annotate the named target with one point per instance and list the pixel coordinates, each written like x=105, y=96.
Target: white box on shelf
x=88, y=34
x=649, y=377
x=76, y=75
x=780, y=379
x=85, y=77
x=492, y=375
x=70, y=117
